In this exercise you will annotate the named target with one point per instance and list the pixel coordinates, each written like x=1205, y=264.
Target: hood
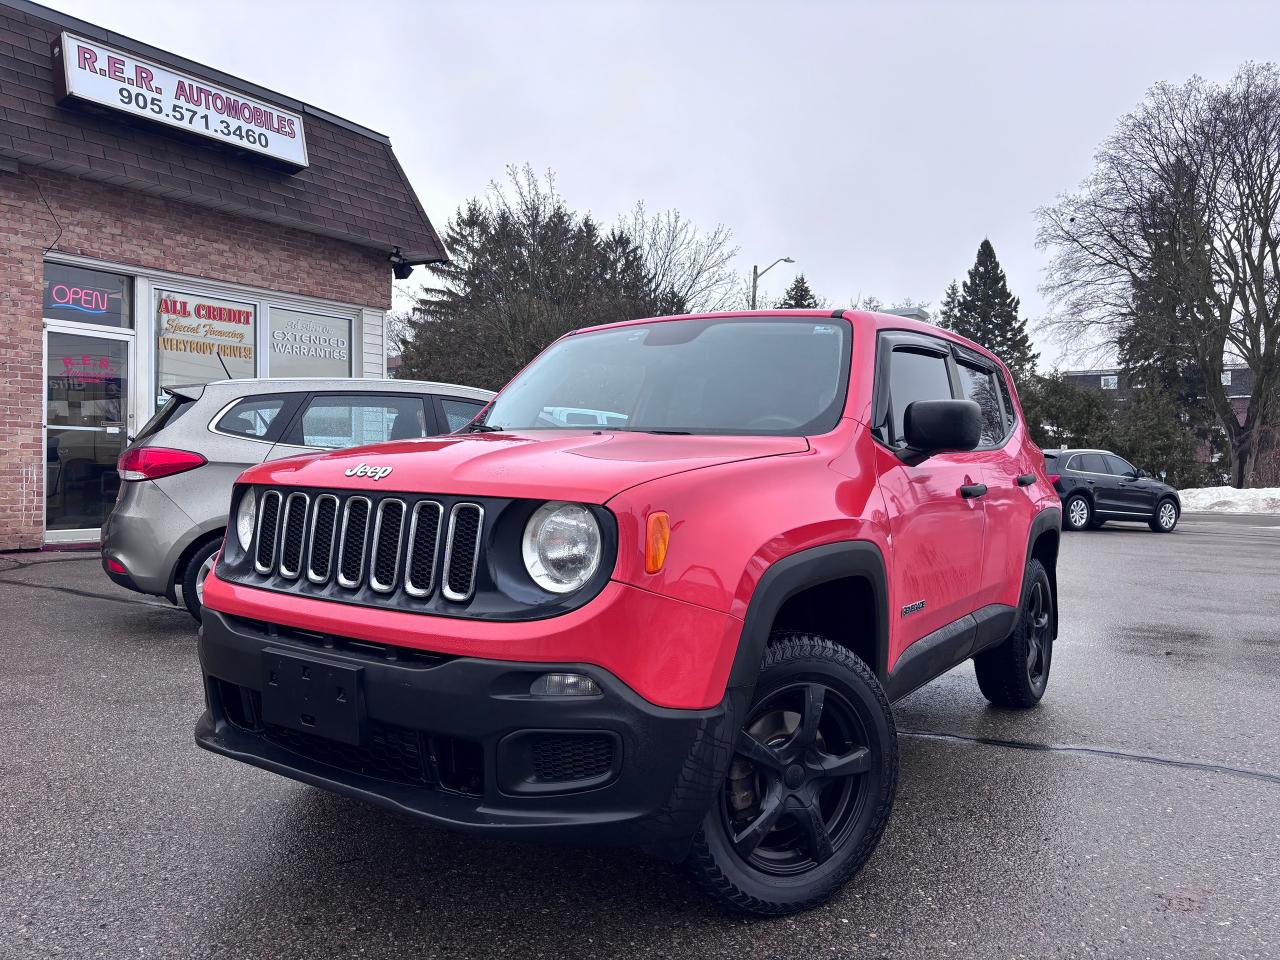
x=543, y=465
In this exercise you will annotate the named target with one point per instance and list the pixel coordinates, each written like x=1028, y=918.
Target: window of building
x=915, y=376
x=1110, y=382
x=458, y=413
x=200, y=339
x=336, y=421
x=308, y=345
x=87, y=296
x=1226, y=378
x=980, y=386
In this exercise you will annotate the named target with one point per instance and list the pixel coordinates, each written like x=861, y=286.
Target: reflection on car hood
x=542, y=464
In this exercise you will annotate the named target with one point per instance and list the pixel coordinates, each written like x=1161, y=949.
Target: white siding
x=373, y=347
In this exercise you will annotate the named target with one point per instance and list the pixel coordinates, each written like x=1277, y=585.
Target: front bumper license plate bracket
x=312, y=695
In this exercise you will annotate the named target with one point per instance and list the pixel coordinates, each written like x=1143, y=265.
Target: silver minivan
x=176, y=475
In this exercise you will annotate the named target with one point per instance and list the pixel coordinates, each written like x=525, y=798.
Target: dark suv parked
x=1096, y=486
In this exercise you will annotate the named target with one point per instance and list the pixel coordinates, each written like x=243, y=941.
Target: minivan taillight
x=1054, y=478
x=152, y=463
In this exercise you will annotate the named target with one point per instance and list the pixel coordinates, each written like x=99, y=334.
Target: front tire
x=198, y=567
x=810, y=787
x=1077, y=512
x=1015, y=674
x=1166, y=516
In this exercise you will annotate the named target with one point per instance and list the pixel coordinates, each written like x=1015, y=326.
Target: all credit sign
x=120, y=81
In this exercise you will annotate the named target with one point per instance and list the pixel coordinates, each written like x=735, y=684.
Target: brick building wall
x=134, y=230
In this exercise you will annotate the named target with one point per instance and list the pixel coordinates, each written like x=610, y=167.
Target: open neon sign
x=82, y=299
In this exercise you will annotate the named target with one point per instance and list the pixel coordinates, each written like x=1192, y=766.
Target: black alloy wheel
x=1039, y=635
x=1015, y=673
x=804, y=756
x=810, y=786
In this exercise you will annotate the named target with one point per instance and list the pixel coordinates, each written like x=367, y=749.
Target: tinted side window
x=458, y=413
x=354, y=420
x=915, y=376
x=1010, y=418
x=1088, y=463
x=251, y=417
x=1118, y=466
x=980, y=386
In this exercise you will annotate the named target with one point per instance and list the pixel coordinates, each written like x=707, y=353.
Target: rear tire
x=1166, y=516
x=1015, y=674
x=810, y=787
x=1077, y=512
x=198, y=567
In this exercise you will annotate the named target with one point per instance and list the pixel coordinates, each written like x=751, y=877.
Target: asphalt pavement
x=1136, y=813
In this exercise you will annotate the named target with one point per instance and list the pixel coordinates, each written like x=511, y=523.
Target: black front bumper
x=460, y=742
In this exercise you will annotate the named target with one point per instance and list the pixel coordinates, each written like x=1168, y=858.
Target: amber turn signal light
x=657, y=535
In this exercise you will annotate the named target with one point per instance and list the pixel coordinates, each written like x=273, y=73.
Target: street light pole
x=757, y=273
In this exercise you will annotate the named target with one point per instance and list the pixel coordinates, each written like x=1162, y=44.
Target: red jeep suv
x=662, y=591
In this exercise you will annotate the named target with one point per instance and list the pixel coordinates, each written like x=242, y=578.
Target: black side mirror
x=1139, y=474
x=937, y=426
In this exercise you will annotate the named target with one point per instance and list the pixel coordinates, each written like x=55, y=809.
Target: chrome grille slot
x=462, y=551
x=268, y=530
x=351, y=549
x=324, y=524
x=384, y=567
x=424, y=545
x=293, y=534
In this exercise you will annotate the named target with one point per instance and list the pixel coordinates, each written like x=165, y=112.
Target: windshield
x=775, y=376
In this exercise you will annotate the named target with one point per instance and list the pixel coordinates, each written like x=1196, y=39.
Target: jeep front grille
x=369, y=548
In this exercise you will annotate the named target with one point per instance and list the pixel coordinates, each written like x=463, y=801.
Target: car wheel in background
x=198, y=567
x=1016, y=673
x=1077, y=512
x=811, y=783
x=1166, y=517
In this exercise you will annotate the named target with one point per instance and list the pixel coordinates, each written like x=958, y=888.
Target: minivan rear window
x=174, y=408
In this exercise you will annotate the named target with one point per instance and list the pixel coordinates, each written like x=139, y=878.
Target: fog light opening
x=564, y=685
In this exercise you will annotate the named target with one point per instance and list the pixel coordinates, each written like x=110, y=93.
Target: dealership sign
x=111, y=78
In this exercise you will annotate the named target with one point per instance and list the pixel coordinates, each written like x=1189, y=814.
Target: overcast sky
x=876, y=143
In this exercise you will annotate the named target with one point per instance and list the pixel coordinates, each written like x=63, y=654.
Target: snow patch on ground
x=1230, y=500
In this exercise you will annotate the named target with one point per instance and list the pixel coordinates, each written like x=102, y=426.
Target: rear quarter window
x=251, y=418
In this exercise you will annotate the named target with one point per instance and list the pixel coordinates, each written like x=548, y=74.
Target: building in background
x=160, y=223
x=1236, y=377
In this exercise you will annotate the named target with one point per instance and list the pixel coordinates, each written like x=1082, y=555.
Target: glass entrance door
x=86, y=428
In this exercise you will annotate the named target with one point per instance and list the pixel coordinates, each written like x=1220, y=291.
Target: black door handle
x=971, y=490
x=1026, y=480
x=1091, y=482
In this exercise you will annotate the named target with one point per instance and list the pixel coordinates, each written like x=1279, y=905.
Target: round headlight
x=246, y=515
x=561, y=546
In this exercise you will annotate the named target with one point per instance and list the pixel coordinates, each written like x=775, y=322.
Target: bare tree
x=689, y=266
x=525, y=268
x=1177, y=230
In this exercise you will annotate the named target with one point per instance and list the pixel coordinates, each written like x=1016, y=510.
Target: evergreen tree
x=524, y=268
x=949, y=312
x=987, y=313
x=798, y=296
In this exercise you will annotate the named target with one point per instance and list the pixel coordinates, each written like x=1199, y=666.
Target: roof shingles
x=354, y=188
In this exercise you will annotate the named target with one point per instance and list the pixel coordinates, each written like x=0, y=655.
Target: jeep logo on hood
x=364, y=470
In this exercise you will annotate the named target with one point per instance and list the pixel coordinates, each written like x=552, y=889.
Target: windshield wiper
x=669, y=433
x=482, y=428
